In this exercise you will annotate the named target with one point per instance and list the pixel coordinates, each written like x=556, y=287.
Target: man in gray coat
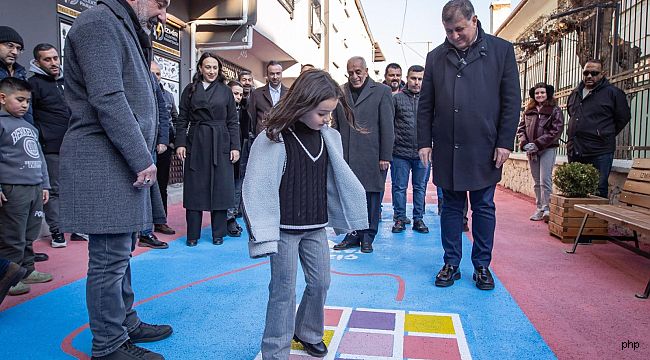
x=106, y=163
x=468, y=110
x=368, y=149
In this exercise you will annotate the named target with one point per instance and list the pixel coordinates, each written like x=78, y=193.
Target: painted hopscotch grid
x=376, y=334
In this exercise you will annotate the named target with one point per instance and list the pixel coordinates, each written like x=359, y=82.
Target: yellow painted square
x=429, y=324
x=327, y=338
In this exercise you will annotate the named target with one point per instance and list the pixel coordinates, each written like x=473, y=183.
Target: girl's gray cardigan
x=346, y=197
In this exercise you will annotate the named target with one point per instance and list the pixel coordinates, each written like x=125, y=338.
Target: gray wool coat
x=112, y=128
x=467, y=109
x=374, y=114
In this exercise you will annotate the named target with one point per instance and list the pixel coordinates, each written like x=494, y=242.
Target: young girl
x=539, y=131
x=208, y=135
x=296, y=183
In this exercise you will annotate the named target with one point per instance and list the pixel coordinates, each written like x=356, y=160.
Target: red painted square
x=422, y=347
x=332, y=317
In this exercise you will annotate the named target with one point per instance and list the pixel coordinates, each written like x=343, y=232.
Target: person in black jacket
x=598, y=111
x=51, y=117
x=467, y=120
x=207, y=139
x=405, y=154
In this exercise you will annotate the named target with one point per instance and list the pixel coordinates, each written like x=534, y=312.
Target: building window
x=290, y=5
x=315, y=21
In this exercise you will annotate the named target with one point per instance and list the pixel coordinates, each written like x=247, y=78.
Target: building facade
x=553, y=39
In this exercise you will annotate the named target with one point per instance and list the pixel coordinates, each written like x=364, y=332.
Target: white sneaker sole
x=59, y=245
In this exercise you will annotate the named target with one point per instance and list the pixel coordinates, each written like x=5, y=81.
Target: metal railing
x=626, y=52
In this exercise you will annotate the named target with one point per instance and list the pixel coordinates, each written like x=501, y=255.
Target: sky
x=422, y=25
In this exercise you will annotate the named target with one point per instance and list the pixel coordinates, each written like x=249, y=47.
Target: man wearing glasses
x=11, y=46
x=598, y=111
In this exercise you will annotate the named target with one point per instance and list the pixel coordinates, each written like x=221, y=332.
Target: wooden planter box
x=565, y=221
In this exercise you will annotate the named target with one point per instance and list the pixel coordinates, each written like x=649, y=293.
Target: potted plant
x=576, y=183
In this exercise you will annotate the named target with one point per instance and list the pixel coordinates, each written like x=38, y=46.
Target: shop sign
x=74, y=7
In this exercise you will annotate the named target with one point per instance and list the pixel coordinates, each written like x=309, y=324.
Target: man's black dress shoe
x=217, y=241
x=151, y=241
x=234, y=229
x=351, y=240
x=38, y=257
x=447, y=275
x=419, y=226
x=483, y=278
x=150, y=333
x=366, y=246
x=316, y=350
x=192, y=242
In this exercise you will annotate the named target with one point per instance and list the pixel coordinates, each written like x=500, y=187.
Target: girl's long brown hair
x=310, y=89
x=550, y=99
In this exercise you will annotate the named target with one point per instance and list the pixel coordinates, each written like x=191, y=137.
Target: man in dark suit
x=468, y=110
x=368, y=149
x=263, y=99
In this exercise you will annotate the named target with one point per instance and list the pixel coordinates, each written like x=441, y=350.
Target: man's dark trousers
x=52, y=206
x=373, y=200
x=20, y=223
x=602, y=163
x=483, y=225
x=109, y=295
x=164, y=164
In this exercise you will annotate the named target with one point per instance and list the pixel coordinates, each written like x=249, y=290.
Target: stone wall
x=516, y=175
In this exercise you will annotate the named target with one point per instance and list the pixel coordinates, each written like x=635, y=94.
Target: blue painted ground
x=224, y=318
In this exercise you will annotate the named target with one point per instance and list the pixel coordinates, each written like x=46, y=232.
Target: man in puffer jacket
x=405, y=155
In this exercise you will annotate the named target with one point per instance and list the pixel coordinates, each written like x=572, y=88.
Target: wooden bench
x=633, y=212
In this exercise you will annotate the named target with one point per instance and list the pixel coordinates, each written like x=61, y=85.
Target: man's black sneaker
x=151, y=241
x=58, y=240
x=398, y=227
x=447, y=275
x=129, y=351
x=405, y=220
x=217, y=241
x=316, y=350
x=234, y=229
x=150, y=333
x=483, y=278
x=39, y=257
x=419, y=226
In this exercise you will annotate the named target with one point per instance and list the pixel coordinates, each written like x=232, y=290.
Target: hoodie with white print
x=21, y=158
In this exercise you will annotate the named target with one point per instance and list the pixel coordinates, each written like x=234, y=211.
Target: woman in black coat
x=207, y=138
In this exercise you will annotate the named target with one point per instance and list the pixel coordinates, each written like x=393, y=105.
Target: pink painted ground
x=583, y=305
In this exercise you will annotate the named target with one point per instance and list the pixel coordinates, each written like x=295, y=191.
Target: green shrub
x=576, y=179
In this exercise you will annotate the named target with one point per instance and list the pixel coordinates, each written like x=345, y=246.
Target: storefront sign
x=167, y=38
x=74, y=7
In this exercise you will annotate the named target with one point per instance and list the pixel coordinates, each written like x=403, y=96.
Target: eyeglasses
x=592, y=73
x=12, y=46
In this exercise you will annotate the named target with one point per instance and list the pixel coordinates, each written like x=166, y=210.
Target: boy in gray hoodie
x=24, y=183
